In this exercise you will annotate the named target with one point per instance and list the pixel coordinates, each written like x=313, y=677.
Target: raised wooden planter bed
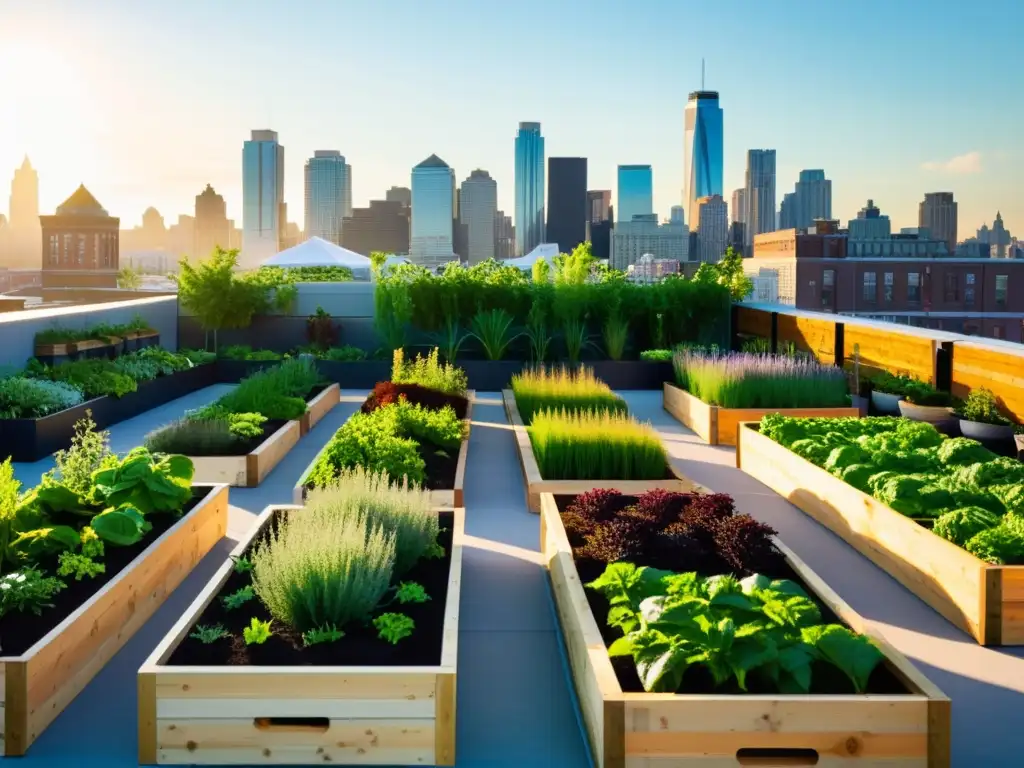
x=718, y=426
x=40, y=683
x=319, y=407
x=664, y=730
x=987, y=601
x=536, y=485
x=443, y=498
x=347, y=715
x=251, y=469
x=72, y=349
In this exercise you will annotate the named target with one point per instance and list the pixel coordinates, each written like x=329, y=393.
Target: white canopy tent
x=317, y=252
x=544, y=251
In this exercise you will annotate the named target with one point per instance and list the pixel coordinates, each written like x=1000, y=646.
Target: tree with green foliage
x=377, y=261
x=574, y=268
x=129, y=279
x=727, y=272
x=541, y=271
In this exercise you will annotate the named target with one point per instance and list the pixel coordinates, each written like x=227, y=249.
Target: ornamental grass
x=595, y=445
x=746, y=380
x=563, y=389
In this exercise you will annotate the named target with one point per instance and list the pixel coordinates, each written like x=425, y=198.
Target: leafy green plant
x=92, y=376
x=757, y=346
x=78, y=565
x=209, y=635
x=328, y=634
x=450, y=340
x=982, y=406
x=25, y=398
x=735, y=629
x=537, y=330
x=616, y=335
x=10, y=489
x=146, y=481
x=411, y=592
x=892, y=384
x=429, y=372
x=656, y=355
x=257, y=633
x=320, y=331
x=277, y=393
x=27, y=590
x=563, y=389
x=493, y=329
x=198, y=356
x=587, y=445
x=238, y=598
x=344, y=354
x=243, y=564
x=190, y=436
x=393, y=627
x=922, y=393
x=89, y=451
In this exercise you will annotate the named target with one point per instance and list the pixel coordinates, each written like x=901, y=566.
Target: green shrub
x=93, y=377
x=596, y=446
x=983, y=406
x=656, y=355
x=563, y=389
x=23, y=398
x=429, y=372
x=194, y=437
x=278, y=392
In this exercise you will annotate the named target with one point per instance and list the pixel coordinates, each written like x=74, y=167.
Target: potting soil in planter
x=360, y=645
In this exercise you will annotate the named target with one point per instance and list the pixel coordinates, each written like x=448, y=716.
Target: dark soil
x=245, y=446
x=359, y=647
x=826, y=679
x=388, y=392
x=315, y=391
x=20, y=631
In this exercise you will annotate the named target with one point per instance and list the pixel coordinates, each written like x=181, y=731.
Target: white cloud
x=960, y=165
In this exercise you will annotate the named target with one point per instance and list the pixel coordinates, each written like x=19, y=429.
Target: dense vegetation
x=966, y=493
x=104, y=332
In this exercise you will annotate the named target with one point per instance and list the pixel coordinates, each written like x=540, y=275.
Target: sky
x=147, y=101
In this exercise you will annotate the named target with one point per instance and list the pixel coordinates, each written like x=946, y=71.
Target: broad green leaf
x=793, y=611
x=59, y=498
x=180, y=467
x=625, y=584
x=621, y=647
x=118, y=527
x=660, y=662
x=35, y=544
x=750, y=653
x=684, y=584
x=676, y=615
x=795, y=662
x=734, y=600
x=787, y=587
x=754, y=583
x=624, y=617
x=856, y=655
x=722, y=585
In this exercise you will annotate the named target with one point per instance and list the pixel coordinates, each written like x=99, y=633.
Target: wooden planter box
x=319, y=407
x=718, y=426
x=984, y=600
x=374, y=715
x=665, y=730
x=72, y=349
x=441, y=498
x=41, y=682
x=536, y=485
x=251, y=469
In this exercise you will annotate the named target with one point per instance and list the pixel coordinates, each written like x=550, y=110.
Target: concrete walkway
x=515, y=706
x=986, y=685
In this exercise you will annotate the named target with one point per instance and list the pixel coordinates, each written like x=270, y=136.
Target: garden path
x=985, y=685
x=515, y=704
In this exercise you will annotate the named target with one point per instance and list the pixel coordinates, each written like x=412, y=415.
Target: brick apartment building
x=974, y=296
x=80, y=244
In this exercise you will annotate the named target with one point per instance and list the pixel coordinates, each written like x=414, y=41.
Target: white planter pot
x=977, y=430
x=885, y=403
x=933, y=414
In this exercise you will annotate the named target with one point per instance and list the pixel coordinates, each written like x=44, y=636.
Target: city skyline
x=158, y=159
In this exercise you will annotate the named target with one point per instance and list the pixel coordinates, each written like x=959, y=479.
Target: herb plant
x=393, y=627
x=209, y=635
x=238, y=598
x=983, y=406
x=429, y=372
x=563, y=389
x=27, y=590
x=257, y=633
x=411, y=592
x=25, y=398
x=329, y=634
x=78, y=565
x=656, y=355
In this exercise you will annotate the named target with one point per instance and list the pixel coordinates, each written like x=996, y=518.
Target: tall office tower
x=760, y=193
x=813, y=199
x=702, y=150
x=643, y=235
x=567, y=202
x=529, y=188
x=433, y=212
x=870, y=224
x=326, y=175
x=599, y=222
x=383, y=226
x=712, y=228
x=211, y=223
x=599, y=202
x=636, y=192
x=401, y=195
x=478, y=208
x=504, y=237
x=738, y=211
x=787, y=211
x=263, y=210
x=938, y=213
x=25, y=244
x=348, y=190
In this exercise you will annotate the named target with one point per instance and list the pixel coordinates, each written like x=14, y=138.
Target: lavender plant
x=746, y=380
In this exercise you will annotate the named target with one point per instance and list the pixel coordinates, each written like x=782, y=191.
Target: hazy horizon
x=146, y=105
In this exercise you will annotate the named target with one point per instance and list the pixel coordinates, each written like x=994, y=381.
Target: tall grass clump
x=542, y=389
x=384, y=503
x=748, y=380
x=194, y=437
x=429, y=372
x=595, y=445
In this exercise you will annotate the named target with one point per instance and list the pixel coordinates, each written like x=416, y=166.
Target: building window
x=887, y=288
x=96, y=250
x=870, y=287
x=914, y=287
x=81, y=250
x=952, y=287
x=969, y=289
x=1002, y=284
x=828, y=285
x=54, y=249
x=67, y=249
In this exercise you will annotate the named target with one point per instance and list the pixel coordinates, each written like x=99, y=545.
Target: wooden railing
x=950, y=361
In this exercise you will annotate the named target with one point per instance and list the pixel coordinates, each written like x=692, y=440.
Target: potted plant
x=980, y=418
x=922, y=402
x=887, y=390
x=320, y=332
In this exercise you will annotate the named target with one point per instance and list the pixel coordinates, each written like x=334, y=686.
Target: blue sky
x=147, y=101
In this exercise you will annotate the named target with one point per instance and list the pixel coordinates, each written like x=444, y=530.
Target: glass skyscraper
x=636, y=192
x=702, y=161
x=326, y=194
x=263, y=209
x=433, y=213
x=529, y=188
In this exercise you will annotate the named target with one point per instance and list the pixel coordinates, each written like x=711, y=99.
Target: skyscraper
x=529, y=188
x=401, y=195
x=636, y=192
x=938, y=212
x=813, y=198
x=211, y=223
x=478, y=207
x=599, y=201
x=702, y=150
x=567, y=202
x=788, y=211
x=504, y=237
x=383, y=226
x=433, y=213
x=599, y=222
x=24, y=233
x=870, y=224
x=712, y=228
x=677, y=215
x=760, y=193
x=326, y=176
x=348, y=189
x=263, y=210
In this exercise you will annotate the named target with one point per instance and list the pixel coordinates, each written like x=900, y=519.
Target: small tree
x=129, y=279
x=377, y=260
x=727, y=272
